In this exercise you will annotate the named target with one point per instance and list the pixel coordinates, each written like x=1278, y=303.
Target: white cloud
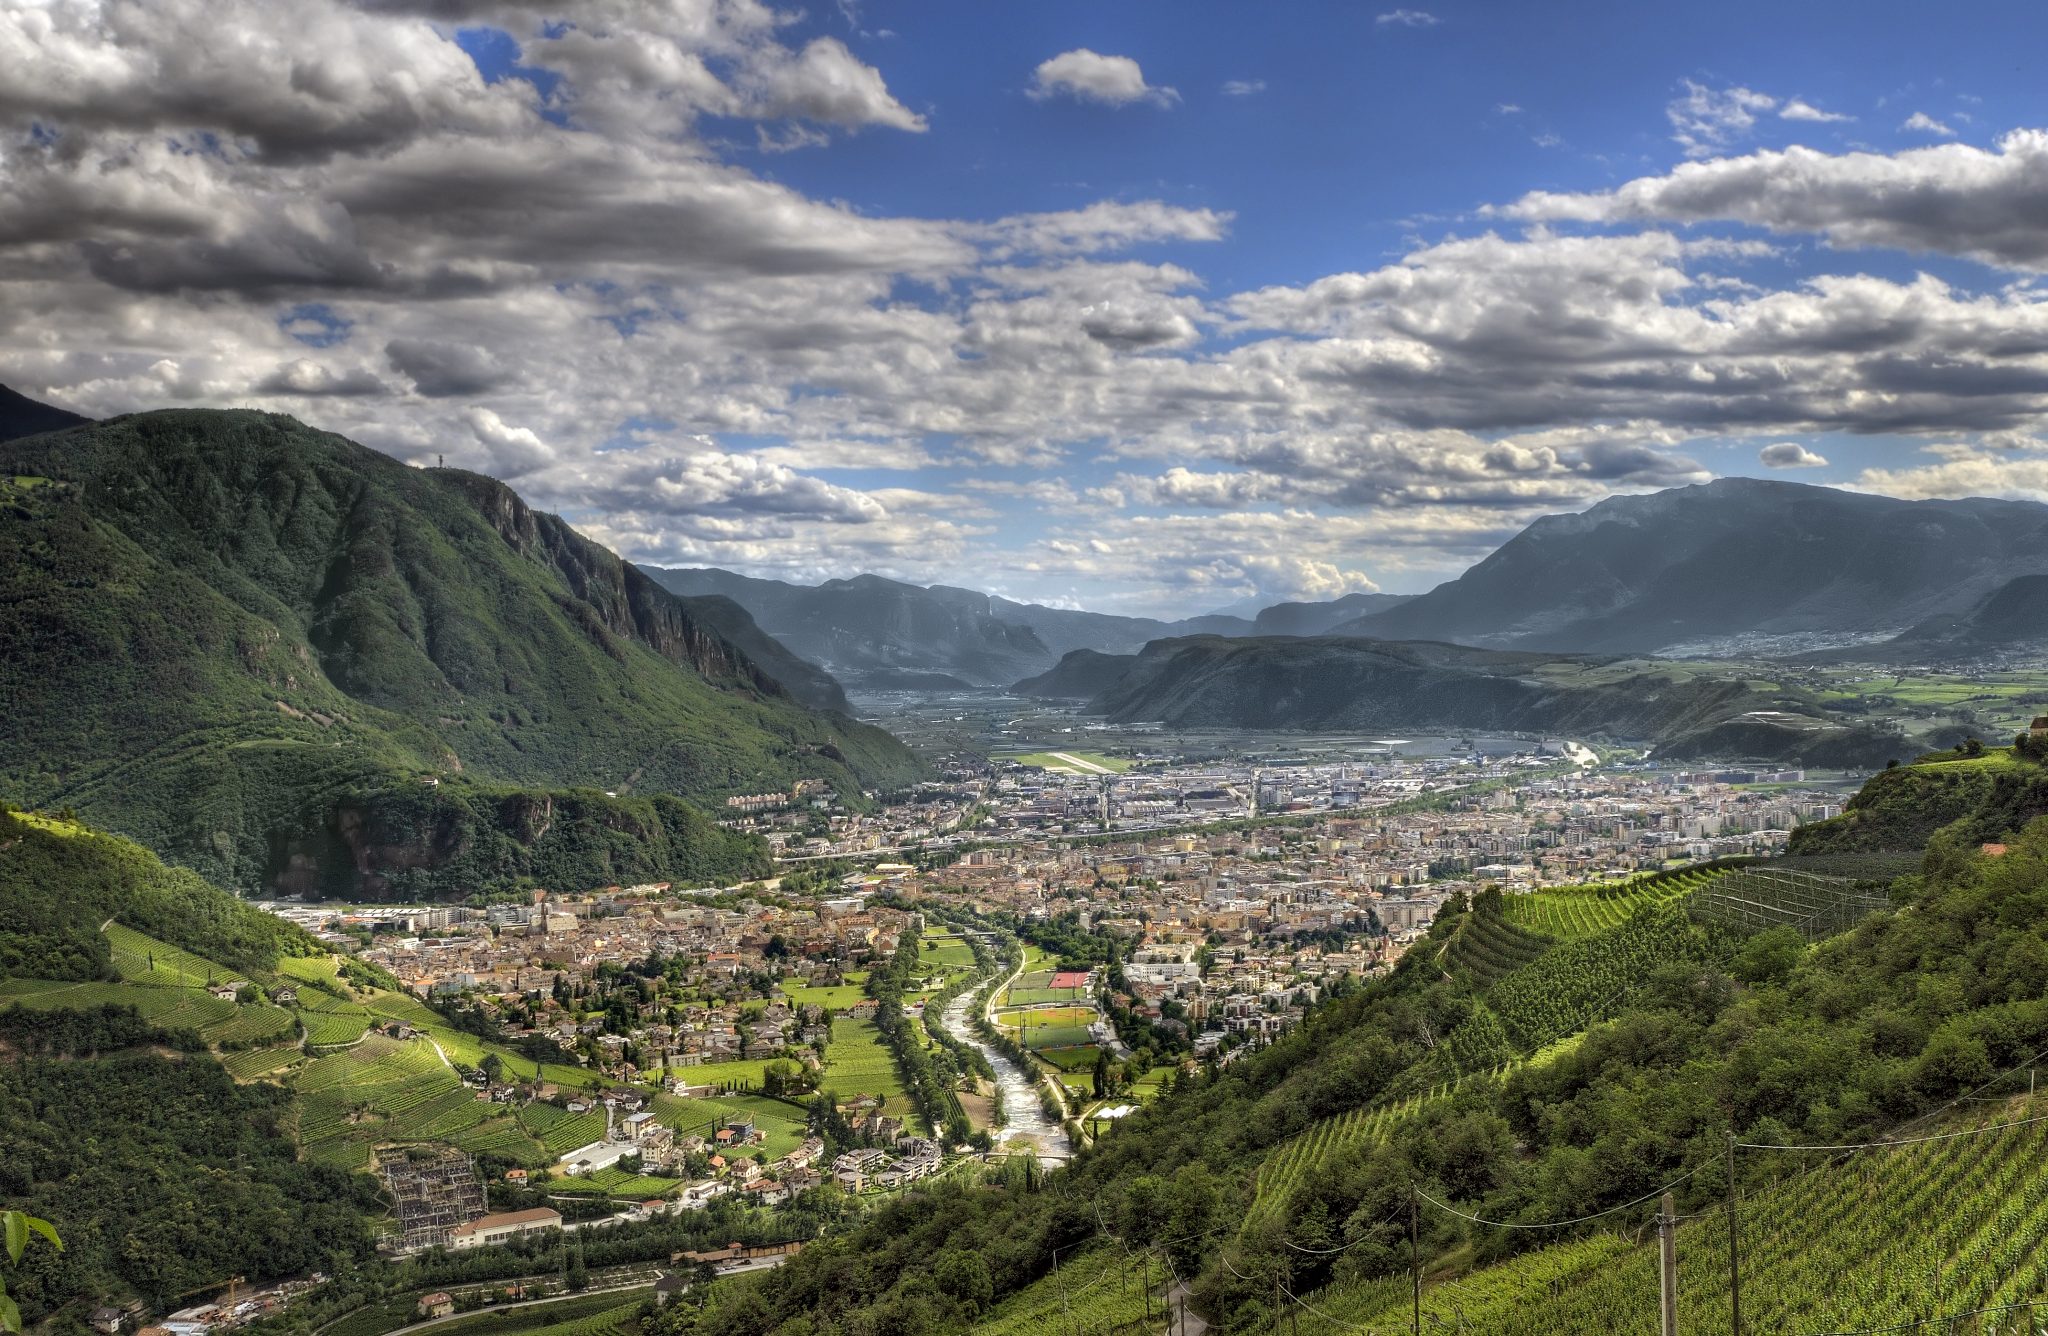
x=1243, y=87
x=1951, y=198
x=1407, y=18
x=1921, y=123
x=1964, y=474
x=1789, y=455
x=825, y=83
x=514, y=451
x=1706, y=120
x=671, y=349
x=1798, y=109
x=1114, y=81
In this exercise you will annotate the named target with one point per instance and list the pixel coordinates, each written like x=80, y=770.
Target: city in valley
x=1056, y=939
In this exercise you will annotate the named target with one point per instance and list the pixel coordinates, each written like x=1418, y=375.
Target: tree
x=18, y=1226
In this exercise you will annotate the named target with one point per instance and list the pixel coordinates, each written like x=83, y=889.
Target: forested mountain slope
x=248, y=643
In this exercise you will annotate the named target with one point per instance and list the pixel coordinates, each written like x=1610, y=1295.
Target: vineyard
x=1583, y=911
x=143, y=959
x=615, y=1183
x=858, y=1062
x=1493, y=1300
x=380, y=1090
x=1485, y=945
x=1915, y=1234
x=1754, y=899
x=1303, y=1157
x=1104, y=1292
x=560, y=1131
x=1577, y=983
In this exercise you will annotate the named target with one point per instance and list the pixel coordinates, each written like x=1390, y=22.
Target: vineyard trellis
x=1756, y=898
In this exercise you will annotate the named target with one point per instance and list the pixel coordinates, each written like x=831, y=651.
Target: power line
x=1905, y=1141
x=1555, y=1224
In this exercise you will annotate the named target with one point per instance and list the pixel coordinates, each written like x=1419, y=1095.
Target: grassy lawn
x=832, y=997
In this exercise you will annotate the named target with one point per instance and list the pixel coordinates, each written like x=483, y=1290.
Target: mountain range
x=1734, y=565
x=1346, y=683
x=884, y=634
x=294, y=663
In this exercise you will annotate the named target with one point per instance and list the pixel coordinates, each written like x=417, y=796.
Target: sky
x=1146, y=307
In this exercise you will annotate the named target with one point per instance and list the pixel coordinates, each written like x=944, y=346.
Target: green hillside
x=249, y=644
x=1979, y=797
x=59, y=882
x=1540, y=1078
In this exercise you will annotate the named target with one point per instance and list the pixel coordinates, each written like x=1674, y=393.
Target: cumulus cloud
x=514, y=451
x=1986, y=204
x=561, y=279
x=1921, y=123
x=1789, y=455
x=1114, y=81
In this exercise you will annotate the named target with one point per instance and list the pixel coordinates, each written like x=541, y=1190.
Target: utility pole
x=1734, y=1260
x=1415, y=1256
x=1667, y=1265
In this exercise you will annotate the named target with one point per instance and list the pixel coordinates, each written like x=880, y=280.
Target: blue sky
x=1148, y=306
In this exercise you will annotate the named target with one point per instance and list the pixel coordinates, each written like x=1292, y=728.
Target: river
x=1026, y=1119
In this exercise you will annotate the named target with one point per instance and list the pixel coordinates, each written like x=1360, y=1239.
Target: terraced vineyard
x=1103, y=1292
x=1490, y=1301
x=1303, y=1157
x=171, y=1008
x=141, y=958
x=559, y=1131
x=1582, y=911
x=616, y=1183
x=380, y=1090
x=1486, y=946
x=1582, y=980
x=1916, y=1234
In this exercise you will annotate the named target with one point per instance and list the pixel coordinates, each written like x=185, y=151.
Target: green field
x=950, y=951
x=832, y=997
x=781, y=1125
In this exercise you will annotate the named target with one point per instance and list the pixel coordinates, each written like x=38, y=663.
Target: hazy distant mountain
x=1082, y=674
x=2012, y=617
x=1314, y=619
x=881, y=633
x=810, y=684
x=1338, y=683
x=1066, y=629
x=1732, y=564
x=23, y=416
x=869, y=625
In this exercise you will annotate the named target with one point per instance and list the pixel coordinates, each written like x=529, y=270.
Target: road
x=758, y=1264
x=1181, y=1320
